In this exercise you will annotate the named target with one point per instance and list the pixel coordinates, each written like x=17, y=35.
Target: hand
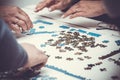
x=86, y=9
x=53, y=4
x=35, y=56
x=15, y=18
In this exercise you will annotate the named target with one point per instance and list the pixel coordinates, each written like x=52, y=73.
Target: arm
x=55, y=4
x=12, y=55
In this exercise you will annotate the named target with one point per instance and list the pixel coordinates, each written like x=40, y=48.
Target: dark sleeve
x=12, y=55
x=113, y=7
x=71, y=4
x=113, y=15
x=113, y=10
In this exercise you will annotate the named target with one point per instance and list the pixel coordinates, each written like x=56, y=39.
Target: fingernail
x=49, y=9
x=35, y=10
x=62, y=16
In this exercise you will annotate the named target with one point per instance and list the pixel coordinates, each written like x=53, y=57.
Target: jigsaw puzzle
x=75, y=53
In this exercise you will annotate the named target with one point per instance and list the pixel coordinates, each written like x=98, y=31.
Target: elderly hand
x=16, y=18
x=53, y=4
x=35, y=56
x=86, y=8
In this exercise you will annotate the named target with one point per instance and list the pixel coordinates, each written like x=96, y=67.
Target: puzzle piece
x=64, y=27
x=118, y=42
x=42, y=21
x=65, y=72
x=94, y=34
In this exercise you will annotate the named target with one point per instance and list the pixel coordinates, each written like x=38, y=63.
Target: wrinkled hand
x=15, y=18
x=86, y=9
x=35, y=56
x=53, y=5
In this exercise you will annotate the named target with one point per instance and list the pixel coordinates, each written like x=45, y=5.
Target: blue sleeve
x=12, y=55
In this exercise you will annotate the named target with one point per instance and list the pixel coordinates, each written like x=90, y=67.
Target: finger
x=69, y=12
x=28, y=21
x=18, y=22
x=12, y=20
x=15, y=28
x=56, y=6
x=42, y=5
x=23, y=23
x=78, y=14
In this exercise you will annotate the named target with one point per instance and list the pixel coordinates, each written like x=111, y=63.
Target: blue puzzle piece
x=41, y=27
x=43, y=45
x=105, y=41
x=65, y=72
x=82, y=31
x=52, y=78
x=64, y=27
x=94, y=34
x=62, y=44
x=118, y=42
x=72, y=29
x=32, y=31
x=44, y=22
x=44, y=32
x=54, y=35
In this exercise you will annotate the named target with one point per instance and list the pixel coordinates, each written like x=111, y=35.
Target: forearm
x=12, y=55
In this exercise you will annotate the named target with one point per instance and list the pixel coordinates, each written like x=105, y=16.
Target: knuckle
x=22, y=22
x=15, y=8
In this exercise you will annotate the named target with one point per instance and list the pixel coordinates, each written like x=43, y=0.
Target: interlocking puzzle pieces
x=117, y=62
x=58, y=57
x=81, y=31
x=115, y=77
x=105, y=41
x=103, y=69
x=69, y=59
x=90, y=66
x=110, y=54
x=43, y=21
x=72, y=40
x=65, y=72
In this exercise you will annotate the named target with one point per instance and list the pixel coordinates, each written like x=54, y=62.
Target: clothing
x=113, y=15
x=113, y=9
x=12, y=55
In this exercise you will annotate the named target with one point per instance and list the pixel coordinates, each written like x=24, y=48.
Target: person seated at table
x=12, y=54
x=103, y=10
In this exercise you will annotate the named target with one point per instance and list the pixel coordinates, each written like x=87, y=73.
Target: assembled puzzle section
x=76, y=52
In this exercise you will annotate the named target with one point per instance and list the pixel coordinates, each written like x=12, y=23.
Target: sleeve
x=71, y=4
x=12, y=55
x=112, y=7
x=113, y=10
